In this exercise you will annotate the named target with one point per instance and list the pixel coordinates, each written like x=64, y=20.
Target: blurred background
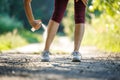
x=102, y=23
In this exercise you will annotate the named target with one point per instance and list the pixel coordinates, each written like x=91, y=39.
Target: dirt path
x=24, y=65
x=29, y=67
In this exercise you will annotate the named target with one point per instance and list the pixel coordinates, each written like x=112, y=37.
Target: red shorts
x=60, y=7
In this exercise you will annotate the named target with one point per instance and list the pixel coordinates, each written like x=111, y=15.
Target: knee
x=80, y=19
x=57, y=16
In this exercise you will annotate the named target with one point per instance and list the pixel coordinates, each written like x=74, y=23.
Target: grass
x=110, y=42
x=30, y=36
x=89, y=37
x=17, y=38
x=105, y=41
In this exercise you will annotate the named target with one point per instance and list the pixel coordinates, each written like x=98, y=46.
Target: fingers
x=36, y=24
x=76, y=0
x=85, y=2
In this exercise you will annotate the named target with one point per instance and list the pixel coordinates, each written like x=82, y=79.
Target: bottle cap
x=33, y=29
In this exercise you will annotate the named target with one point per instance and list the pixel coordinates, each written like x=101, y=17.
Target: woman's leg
x=60, y=6
x=79, y=29
x=79, y=32
x=52, y=29
x=79, y=24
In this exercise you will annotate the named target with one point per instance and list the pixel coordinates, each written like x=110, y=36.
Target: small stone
x=81, y=71
x=13, y=72
x=88, y=67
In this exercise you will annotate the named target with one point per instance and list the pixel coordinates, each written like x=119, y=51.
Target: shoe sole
x=44, y=60
x=76, y=60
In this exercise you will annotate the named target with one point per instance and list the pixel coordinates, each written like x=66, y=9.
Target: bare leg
x=79, y=32
x=52, y=29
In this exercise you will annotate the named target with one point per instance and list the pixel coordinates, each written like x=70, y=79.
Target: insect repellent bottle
x=33, y=29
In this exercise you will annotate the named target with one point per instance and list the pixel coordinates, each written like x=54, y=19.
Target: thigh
x=79, y=11
x=59, y=9
x=60, y=5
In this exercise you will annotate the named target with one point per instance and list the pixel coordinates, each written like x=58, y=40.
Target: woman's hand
x=84, y=1
x=36, y=24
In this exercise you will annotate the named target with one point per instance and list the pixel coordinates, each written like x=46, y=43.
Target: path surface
x=30, y=67
x=24, y=65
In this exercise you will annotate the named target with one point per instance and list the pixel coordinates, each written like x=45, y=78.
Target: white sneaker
x=45, y=56
x=76, y=57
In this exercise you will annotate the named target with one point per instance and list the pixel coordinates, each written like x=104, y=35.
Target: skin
x=53, y=27
x=78, y=35
x=34, y=23
x=51, y=32
x=84, y=1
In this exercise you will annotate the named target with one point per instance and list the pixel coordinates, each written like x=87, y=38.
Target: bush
x=108, y=32
x=9, y=24
x=17, y=38
x=68, y=20
x=11, y=40
x=30, y=36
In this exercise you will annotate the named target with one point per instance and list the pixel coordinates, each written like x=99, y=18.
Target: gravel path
x=25, y=65
x=29, y=67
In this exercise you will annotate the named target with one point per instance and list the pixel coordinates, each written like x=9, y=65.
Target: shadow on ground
x=60, y=68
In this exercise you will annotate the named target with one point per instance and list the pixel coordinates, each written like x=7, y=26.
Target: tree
x=111, y=7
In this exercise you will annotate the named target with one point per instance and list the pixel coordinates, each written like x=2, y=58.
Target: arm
x=28, y=10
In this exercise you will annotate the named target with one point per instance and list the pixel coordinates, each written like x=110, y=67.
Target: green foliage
x=107, y=32
x=30, y=37
x=107, y=24
x=111, y=7
x=68, y=21
x=17, y=38
x=105, y=41
x=9, y=24
x=43, y=9
x=11, y=8
x=106, y=35
x=90, y=36
x=3, y=7
x=11, y=40
x=109, y=42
